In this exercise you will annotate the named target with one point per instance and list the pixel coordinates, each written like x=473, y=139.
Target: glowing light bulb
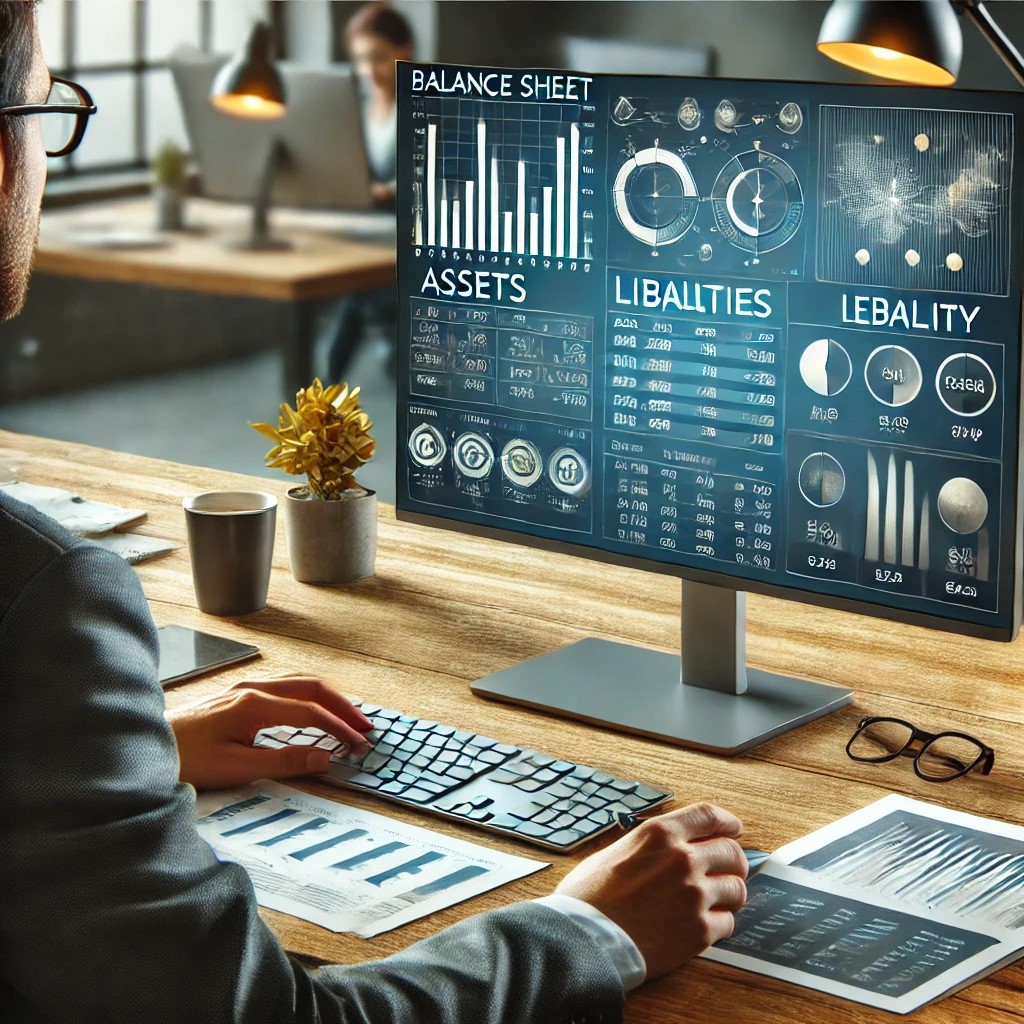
x=883, y=54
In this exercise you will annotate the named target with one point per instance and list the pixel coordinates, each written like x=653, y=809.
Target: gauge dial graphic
x=822, y=479
x=569, y=472
x=522, y=462
x=427, y=446
x=966, y=384
x=963, y=506
x=473, y=455
x=893, y=375
x=825, y=367
x=758, y=201
x=655, y=196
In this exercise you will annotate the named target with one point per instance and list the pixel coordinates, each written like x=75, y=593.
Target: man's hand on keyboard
x=672, y=884
x=215, y=735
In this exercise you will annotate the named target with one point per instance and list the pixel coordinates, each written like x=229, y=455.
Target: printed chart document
x=894, y=906
x=75, y=514
x=346, y=869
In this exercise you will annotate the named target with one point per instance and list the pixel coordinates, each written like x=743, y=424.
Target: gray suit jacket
x=112, y=907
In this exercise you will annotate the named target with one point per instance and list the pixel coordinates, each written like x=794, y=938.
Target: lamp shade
x=917, y=41
x=249, y=85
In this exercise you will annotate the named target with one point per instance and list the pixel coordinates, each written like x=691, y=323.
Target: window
x=118, y=50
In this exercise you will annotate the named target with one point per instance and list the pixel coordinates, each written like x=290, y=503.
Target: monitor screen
x=764, y=335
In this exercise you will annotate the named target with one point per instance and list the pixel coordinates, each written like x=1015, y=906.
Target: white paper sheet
x=75, y=514
x=346, y=869
x=894, y=906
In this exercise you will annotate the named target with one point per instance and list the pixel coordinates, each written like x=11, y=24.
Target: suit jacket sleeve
x=116, y=910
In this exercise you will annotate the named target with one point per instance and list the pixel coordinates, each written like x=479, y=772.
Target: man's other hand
x=672, y=884
x=215, y=734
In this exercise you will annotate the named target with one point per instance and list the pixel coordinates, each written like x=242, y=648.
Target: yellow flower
x=326, y=436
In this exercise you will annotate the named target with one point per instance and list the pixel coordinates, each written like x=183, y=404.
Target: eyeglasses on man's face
x=68, y=109
x=938, y=757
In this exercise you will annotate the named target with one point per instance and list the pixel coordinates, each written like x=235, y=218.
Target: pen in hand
x=755, y=858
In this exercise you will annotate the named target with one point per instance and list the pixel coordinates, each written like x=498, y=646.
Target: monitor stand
x=715, y=702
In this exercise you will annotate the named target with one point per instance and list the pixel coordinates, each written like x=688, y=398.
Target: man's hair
x=379, y=19
x=17, y=25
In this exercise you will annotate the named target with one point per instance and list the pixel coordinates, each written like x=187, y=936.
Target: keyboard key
x=647, y=793
x=374, y=760
x=562, y=767
x=485, y=741
x=561, y=791
x=492, y=757
x=480, y=815
x=529, y=828
x=463, y=772
x=542, y=760
x=623, y=786
x=582, y=772
x=418, y=794
x=546, y=775
x=565, y=837
x=367, y=781
x=393, y=787
x=504, y=748
x=601, y=777
x=503, y=777
x=528, y=785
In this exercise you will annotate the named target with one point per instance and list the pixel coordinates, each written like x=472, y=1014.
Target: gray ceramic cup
x=231, y=545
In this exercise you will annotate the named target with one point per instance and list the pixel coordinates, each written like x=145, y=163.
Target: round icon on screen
x=825, y=367
x=569, y=472
x=427, y=446
x=822, y=479
x=893, y=375
x=473, y=455
x=521, y=462
x=963, y=506
x=966, y=384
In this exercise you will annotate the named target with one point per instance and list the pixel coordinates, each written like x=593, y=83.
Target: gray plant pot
x=170, y=208
x=330, y=541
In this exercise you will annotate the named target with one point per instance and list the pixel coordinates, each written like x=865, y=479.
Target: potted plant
x=330, y=522
x=170, y=176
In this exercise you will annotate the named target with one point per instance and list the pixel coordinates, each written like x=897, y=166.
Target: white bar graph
x=481, y=177
x=521, y=208
x=574, y=191
x=526, y=203
x=560, y=195
x=495, y=237
x=547, y=220
x=431, y=182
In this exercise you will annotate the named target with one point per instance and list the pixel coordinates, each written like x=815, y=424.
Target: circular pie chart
x=825, y=367
x=893, y=375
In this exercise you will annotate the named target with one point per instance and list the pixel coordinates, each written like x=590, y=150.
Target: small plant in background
x=170, y=167
x=326, y=436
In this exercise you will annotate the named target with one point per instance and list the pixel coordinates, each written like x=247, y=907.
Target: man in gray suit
x=115, y=910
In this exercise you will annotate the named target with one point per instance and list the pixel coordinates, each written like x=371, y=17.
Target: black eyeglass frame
x=986, y=755
x=83, y=111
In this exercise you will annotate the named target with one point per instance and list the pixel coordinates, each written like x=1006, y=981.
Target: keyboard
x=477, y=780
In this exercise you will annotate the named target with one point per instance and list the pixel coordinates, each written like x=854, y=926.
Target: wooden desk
x=287, y=286
x=444, y=609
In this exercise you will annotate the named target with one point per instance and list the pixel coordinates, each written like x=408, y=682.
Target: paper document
x=346, y=869
x=894, y=906
x=75, y=514
x=133, y=547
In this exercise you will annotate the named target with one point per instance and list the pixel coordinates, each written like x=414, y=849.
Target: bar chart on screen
x=510, y=179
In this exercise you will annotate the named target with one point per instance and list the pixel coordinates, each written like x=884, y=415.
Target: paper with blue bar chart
x=894, y=906
x=344, y=868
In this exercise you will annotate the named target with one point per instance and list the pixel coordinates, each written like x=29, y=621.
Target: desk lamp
x=915, y=41
x=250, y=87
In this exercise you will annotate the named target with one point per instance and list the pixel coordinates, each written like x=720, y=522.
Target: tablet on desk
x=185, y=653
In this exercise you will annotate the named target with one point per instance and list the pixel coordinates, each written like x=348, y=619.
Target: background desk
x=444, y=609
x=97, y=312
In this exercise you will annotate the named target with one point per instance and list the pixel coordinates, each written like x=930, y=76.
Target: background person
x=375, y=38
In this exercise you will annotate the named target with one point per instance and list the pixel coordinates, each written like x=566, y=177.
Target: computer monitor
x=764, y=336
x=323, y=160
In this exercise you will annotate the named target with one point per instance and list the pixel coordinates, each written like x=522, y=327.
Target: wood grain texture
x=322, y=263
x=444, y=609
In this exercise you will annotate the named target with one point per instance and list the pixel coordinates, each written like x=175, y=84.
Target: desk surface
x=322, y=264
x=444, y=609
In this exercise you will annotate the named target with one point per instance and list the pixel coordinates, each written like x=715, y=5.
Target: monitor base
x=637, y=690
